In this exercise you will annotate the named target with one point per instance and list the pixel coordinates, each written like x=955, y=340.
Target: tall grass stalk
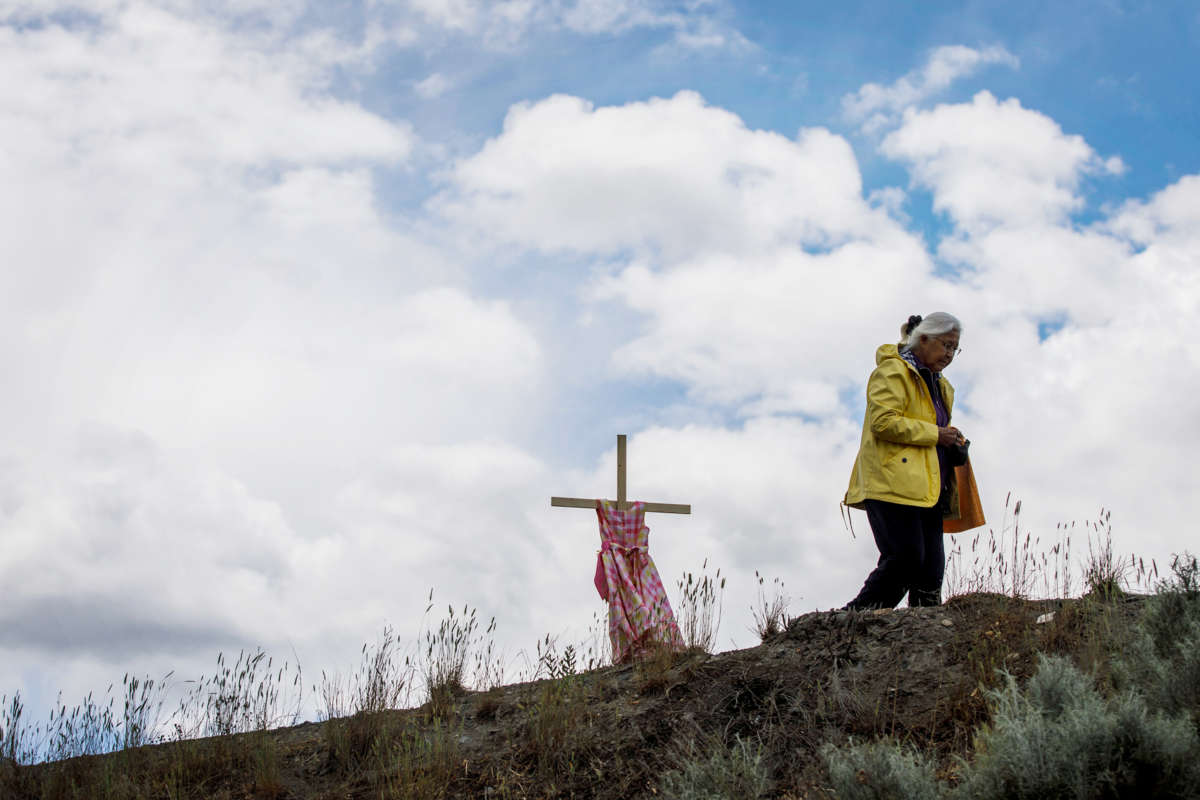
x=446, y=653
x=249, y=695
x=700, y=608
x=1004, y=563
x=91, y=727
x=597, y=646
x=18, y=743
x=487, y=672
x=143, y=706
x=1016, y=562
x=1106, y=575
x=770, y=614
x=383, y=681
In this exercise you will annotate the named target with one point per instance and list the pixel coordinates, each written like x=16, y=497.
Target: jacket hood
x=886, y=351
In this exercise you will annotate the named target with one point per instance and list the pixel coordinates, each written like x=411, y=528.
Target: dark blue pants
x=912, y=558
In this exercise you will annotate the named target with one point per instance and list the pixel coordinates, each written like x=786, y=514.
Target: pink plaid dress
x=639, y=614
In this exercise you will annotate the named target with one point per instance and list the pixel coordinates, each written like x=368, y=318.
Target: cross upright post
x=621, y=471
x=622, y=503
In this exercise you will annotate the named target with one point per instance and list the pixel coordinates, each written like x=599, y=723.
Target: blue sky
x=307, y=308
x=1113, y=70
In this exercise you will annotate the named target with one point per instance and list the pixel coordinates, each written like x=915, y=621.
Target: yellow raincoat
x=897, y=458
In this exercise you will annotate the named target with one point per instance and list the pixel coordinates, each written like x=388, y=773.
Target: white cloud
x=675, y=175
x=435, y=85
x=207, y=285
x=22, y=10
x=221, y=202
x=468, y=518
x=472, y=15
x=719, y=217
x=124, y=556
x=1172, y=215
x=1045, y=270
x=697, y=26
x=505, y=24
x=891, y=199
x=135, y=100
x=611, y=16
x=990, y=162
x=731, y=328
x=874, y=106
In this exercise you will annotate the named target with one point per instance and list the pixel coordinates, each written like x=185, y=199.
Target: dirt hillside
x=916, y=675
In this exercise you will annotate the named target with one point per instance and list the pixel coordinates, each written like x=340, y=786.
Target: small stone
x=947, y=623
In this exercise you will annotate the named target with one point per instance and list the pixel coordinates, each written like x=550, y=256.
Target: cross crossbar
x=622, y=503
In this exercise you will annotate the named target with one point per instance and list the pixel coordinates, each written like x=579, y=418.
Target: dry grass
x=383, y=681
x=700, y=608
x=1019, y=564
x=447, y=650
x=770, y=613
x=368, y=749
x=417, y=763
x=355, y=709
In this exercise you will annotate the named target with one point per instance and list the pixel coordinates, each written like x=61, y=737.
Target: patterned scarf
x=939, y=410
x=908, y=355
x=939, y=407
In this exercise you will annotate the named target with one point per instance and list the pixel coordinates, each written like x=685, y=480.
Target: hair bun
x=912, y=323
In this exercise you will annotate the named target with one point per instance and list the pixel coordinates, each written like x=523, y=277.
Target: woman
x=904, y=474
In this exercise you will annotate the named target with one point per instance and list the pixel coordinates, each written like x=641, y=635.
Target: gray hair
x=938, y=323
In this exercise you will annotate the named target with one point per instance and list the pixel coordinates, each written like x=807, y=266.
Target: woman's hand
x=950, y=436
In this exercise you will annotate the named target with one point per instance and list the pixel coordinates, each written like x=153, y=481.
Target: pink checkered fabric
x=639, y=614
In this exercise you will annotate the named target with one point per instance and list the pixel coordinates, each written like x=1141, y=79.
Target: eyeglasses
x=952, y=349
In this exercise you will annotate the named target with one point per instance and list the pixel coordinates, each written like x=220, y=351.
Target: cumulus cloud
x=208, y=287
x=730, y=328
x=124, y=554
x=88, y=544
x=674, y=175
x=244, y=226
x=990, y=161
x=745, y=241
x=222, y=104
x=875, y=106
x=1171, y=215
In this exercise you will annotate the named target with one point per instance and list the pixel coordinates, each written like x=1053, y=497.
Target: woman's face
x=936, y=352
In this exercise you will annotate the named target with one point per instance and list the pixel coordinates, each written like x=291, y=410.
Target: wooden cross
x=622, y=504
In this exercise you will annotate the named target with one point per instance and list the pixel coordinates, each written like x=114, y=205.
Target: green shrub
x=1162, y=662
x=708, y=770
x=1060, y=738
x=1056, y=738
x=880, y=771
